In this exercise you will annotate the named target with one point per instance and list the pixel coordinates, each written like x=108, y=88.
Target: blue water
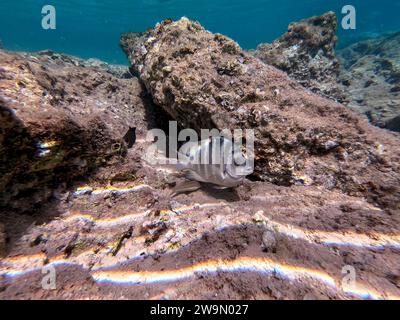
x=91, y=28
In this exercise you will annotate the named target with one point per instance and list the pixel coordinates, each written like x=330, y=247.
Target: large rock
x=64, y=60
x=364, y=76
x=394, y=124
x=206, y=80
x=306, y=52
x=371, y=75
x=59, y=120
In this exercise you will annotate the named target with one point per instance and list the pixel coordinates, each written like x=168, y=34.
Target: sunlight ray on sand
x=373, y=240
x=117, y=190
x=243, y=264
x=339, y=238
x=121, y=220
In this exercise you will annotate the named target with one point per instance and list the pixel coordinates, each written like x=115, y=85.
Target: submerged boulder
x=394, y=124
x=206, y=80
x=58, y=121
x=371, y=75
x=364, y=76
x=306, y=52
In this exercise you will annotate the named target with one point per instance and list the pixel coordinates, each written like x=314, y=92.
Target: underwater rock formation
x=393, y=124
x=207, y=242
x=364, y=76
x=119, y=234
x=371, y=76
x=58, y=121
x=206, y=80
x=306, y=52
x=64, y=60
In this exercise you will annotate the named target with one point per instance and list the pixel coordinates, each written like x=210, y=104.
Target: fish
x=215, y=160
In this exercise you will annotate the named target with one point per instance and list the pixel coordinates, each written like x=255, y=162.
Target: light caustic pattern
x=18, y=266
x=241, y=264
x=22, y=265
x=338, y=238
x=244, y=264
x=377, y=241
x=107, y=222
x=117, y=190
x=121, y=220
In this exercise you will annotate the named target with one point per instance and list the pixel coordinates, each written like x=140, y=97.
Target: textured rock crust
x=306, y=52
x=59, y=119
x=118, y=234
x=371, y=75
x=147, y=231
x=364, y=76
x=206, y=80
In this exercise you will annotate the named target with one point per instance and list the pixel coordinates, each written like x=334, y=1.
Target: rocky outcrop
x=371, y=76
x=306, y=52
x=59, y=120
x=119, y=234
x=393, y=124
x=363, y=76
x=206, y=80
x=64, y=60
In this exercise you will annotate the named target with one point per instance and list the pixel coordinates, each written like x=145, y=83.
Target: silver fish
x=215, y=160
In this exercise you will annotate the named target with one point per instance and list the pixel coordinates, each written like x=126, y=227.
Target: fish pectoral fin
x=217, y=187
x=191, y=175
x=185, y=187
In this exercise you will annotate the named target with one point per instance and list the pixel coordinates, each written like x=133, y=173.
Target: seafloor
x=324, y=198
